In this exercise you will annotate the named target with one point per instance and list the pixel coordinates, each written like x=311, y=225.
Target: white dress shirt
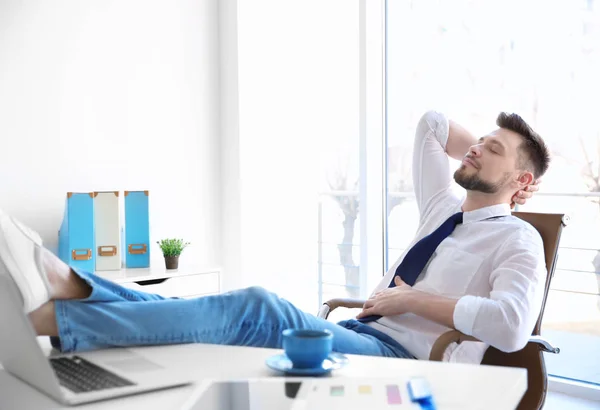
x=495, y=268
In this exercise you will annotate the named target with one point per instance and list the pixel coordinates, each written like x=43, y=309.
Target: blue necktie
x=418, y=256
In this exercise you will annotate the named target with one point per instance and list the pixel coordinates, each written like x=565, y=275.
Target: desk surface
x=485, y=387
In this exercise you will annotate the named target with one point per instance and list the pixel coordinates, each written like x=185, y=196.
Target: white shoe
x=21, y=255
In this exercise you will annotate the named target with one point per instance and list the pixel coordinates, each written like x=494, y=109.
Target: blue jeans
x=116, y=316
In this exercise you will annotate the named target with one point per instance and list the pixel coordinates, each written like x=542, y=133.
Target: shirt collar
x=485, y=213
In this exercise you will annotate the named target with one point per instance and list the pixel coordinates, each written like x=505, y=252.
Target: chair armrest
x=333, y=304
x=454, y=336
x=544, y=344
x=445, y=339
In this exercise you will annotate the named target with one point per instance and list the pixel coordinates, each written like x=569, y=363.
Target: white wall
x=113, y=95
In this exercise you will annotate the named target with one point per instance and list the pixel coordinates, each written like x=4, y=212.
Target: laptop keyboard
x=80, y=376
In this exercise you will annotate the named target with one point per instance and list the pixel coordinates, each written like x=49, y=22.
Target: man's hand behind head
x=522, y=196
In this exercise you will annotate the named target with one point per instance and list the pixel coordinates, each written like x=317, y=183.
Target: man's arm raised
x=459, y=141
x=431, y=173
x=436, y=140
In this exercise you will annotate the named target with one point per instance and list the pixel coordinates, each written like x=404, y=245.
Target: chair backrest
x=550, y=228
x=531, y=357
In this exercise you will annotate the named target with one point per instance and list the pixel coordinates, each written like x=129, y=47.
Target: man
x=485, y=278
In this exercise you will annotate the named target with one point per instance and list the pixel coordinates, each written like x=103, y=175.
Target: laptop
x=77, y=378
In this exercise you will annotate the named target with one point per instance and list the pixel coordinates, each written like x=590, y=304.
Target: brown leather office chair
x=531, y=356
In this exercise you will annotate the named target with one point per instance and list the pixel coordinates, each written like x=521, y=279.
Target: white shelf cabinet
x=185, y=282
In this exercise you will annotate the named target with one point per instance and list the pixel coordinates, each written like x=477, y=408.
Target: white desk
x=485, y=387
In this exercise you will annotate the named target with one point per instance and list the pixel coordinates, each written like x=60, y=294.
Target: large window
x=350, y=204
x=311, y=139
x=475, y=58
x=468, y=58
x=301, y=129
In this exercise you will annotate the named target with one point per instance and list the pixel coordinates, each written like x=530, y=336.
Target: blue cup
x=307, y=348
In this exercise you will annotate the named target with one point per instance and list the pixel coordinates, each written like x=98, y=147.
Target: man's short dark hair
x=534, y=154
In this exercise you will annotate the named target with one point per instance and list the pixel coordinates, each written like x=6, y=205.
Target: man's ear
x=525, y=178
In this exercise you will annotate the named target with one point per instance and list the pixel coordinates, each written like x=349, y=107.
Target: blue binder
x=137, y=230
x=76, y=237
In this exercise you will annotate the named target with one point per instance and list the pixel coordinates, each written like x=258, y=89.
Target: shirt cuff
x=465, y=312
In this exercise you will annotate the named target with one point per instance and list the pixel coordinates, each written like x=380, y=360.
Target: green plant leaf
x=172, y=246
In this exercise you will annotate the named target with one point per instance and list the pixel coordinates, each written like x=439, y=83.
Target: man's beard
x=475, y=183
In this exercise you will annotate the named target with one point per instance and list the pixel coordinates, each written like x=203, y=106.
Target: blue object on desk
x=282, y=363
x=137, y=230
x=307, y=347
x=76, y=236
x=419, y=392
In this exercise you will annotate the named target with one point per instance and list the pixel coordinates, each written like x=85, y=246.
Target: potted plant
x=171, y=249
